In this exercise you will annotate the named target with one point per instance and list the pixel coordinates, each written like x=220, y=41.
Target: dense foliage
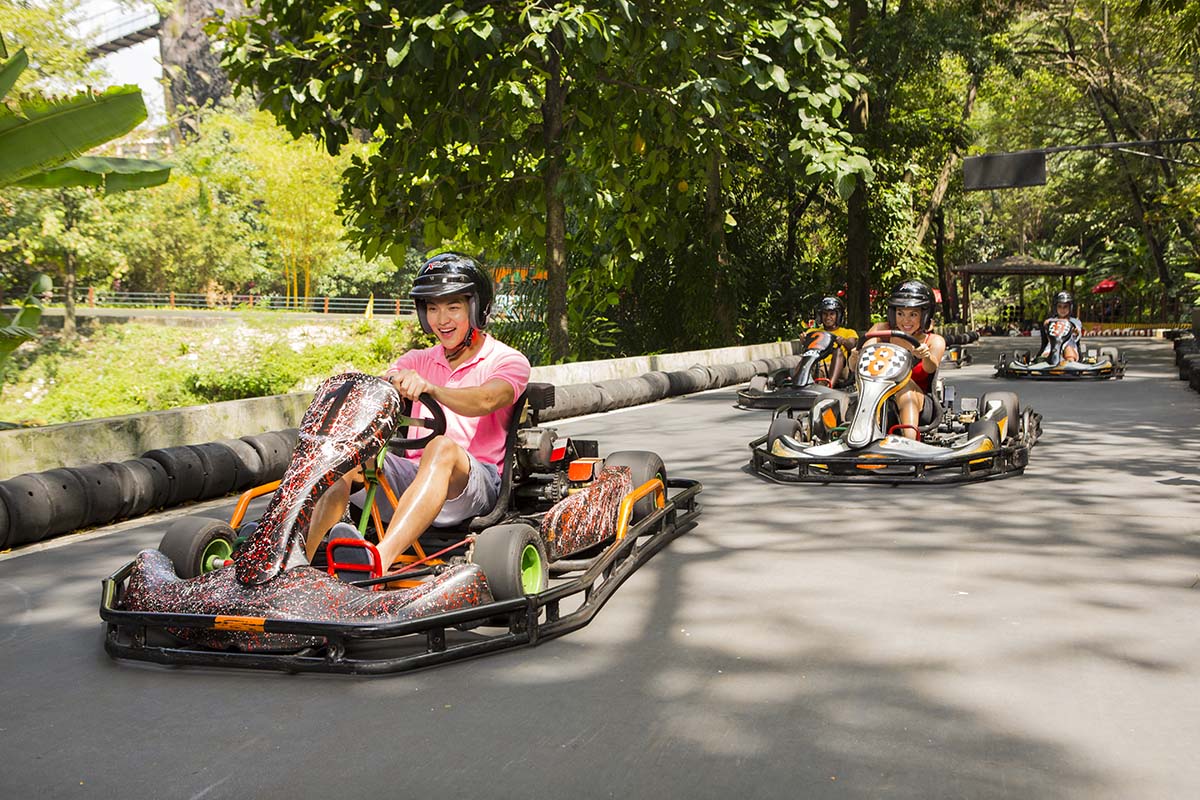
x=683, y=175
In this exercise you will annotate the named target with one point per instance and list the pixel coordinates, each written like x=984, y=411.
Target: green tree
x=572, y=124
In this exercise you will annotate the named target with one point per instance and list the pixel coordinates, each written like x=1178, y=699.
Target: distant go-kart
x=811, y=381
x=1105, y=362
x=846, y=438
x=566, y=532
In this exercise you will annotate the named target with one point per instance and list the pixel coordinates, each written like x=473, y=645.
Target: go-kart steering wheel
x=896, y=334
x=436, y=425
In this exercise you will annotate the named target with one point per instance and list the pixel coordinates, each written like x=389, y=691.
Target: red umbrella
x=1106, y=285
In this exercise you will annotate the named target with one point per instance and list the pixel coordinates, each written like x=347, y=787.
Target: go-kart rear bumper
x=1007, y=460
x=373, y=649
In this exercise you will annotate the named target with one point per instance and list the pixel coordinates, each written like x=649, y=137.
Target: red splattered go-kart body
x=568, y=529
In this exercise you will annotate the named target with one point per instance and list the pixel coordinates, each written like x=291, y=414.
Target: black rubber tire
x=187, y=539
x=3, y=524
x=498, y=552
x=30, y=512
x=782, y=426
x=1003, y=360
x=985, y=426
x=220, y=469
x=1012, y=407
x=1113, y=354
x=184, y=469
x=68, y=501
x=643, y=465
x=158, y=481
x=1023, y=356
x=102, y=488
x=273, y=451
x=247, y=462
x=758, y=384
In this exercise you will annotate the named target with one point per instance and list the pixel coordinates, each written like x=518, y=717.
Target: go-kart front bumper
x=1069, y=371
x=367, y=648
x=878, y=467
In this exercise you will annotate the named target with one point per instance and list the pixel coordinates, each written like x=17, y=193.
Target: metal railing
x=92, y=298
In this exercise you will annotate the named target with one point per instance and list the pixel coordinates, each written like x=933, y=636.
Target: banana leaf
x=24, y=327
x=51, y=131
x=10, y=70
x=113, y=174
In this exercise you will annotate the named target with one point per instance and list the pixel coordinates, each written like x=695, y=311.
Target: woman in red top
x=910, y=310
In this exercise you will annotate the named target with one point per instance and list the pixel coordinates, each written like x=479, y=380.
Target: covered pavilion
x=1019, y=265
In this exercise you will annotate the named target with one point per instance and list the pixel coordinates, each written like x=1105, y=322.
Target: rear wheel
x=643, y=466
x=1012, y=410
x=513, y=558
x=197, y=545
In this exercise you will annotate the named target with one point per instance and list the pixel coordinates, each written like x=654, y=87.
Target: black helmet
x=449, y=274
x=912, y=294
x=832, y=303
x=1063, y=297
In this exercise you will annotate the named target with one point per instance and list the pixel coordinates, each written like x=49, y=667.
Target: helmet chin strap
x=467, y=341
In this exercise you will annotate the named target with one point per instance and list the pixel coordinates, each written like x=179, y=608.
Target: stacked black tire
x=40, y=505
x=1187, y=358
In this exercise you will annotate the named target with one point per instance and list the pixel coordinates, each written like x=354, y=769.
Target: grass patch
x=115, y=369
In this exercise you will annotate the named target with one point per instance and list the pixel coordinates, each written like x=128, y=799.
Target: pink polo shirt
x=482, y=437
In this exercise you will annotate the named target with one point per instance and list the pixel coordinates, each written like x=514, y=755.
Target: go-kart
x=957, y=355
x=810, y=384
x=1105, y=362
x=567, y=530
x=846, y=438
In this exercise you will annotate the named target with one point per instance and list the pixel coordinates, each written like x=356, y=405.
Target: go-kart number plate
x=1059, y=328
x=883, y=362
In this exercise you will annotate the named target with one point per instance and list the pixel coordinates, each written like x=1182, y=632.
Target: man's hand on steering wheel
x=408, y=383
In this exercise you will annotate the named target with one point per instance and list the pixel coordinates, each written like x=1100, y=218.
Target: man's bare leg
x=328, y=510
x=442, y=474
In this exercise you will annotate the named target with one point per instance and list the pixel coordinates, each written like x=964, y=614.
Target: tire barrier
x=102, y=490
x=184, y=469
x=1187, y=357
x=273, y=452
x=3, y=524
x=247, y=463
x=220, y=469
x=34, y=506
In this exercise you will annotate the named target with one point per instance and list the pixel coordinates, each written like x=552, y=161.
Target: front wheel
x=197, y=545
x=643, y=466
x=513, y=559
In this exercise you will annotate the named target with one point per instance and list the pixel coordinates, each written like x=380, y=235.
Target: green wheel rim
x=531, y=570
x=215, y=555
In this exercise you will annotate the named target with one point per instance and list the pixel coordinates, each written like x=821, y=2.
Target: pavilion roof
x=1018, y=265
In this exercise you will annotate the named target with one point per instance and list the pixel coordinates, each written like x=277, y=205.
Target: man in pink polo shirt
x=476, y=379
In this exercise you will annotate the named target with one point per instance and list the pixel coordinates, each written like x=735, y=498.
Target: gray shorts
x=479, y=496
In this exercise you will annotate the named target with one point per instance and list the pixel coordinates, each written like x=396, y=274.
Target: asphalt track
x=1033, y=637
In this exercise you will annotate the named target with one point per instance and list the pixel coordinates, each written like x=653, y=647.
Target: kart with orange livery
x=567, y=530
x=858, y=438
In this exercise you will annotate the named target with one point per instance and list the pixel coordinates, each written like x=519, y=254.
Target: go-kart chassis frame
x=348, y=646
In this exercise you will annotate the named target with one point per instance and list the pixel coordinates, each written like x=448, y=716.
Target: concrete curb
x=648, y=378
